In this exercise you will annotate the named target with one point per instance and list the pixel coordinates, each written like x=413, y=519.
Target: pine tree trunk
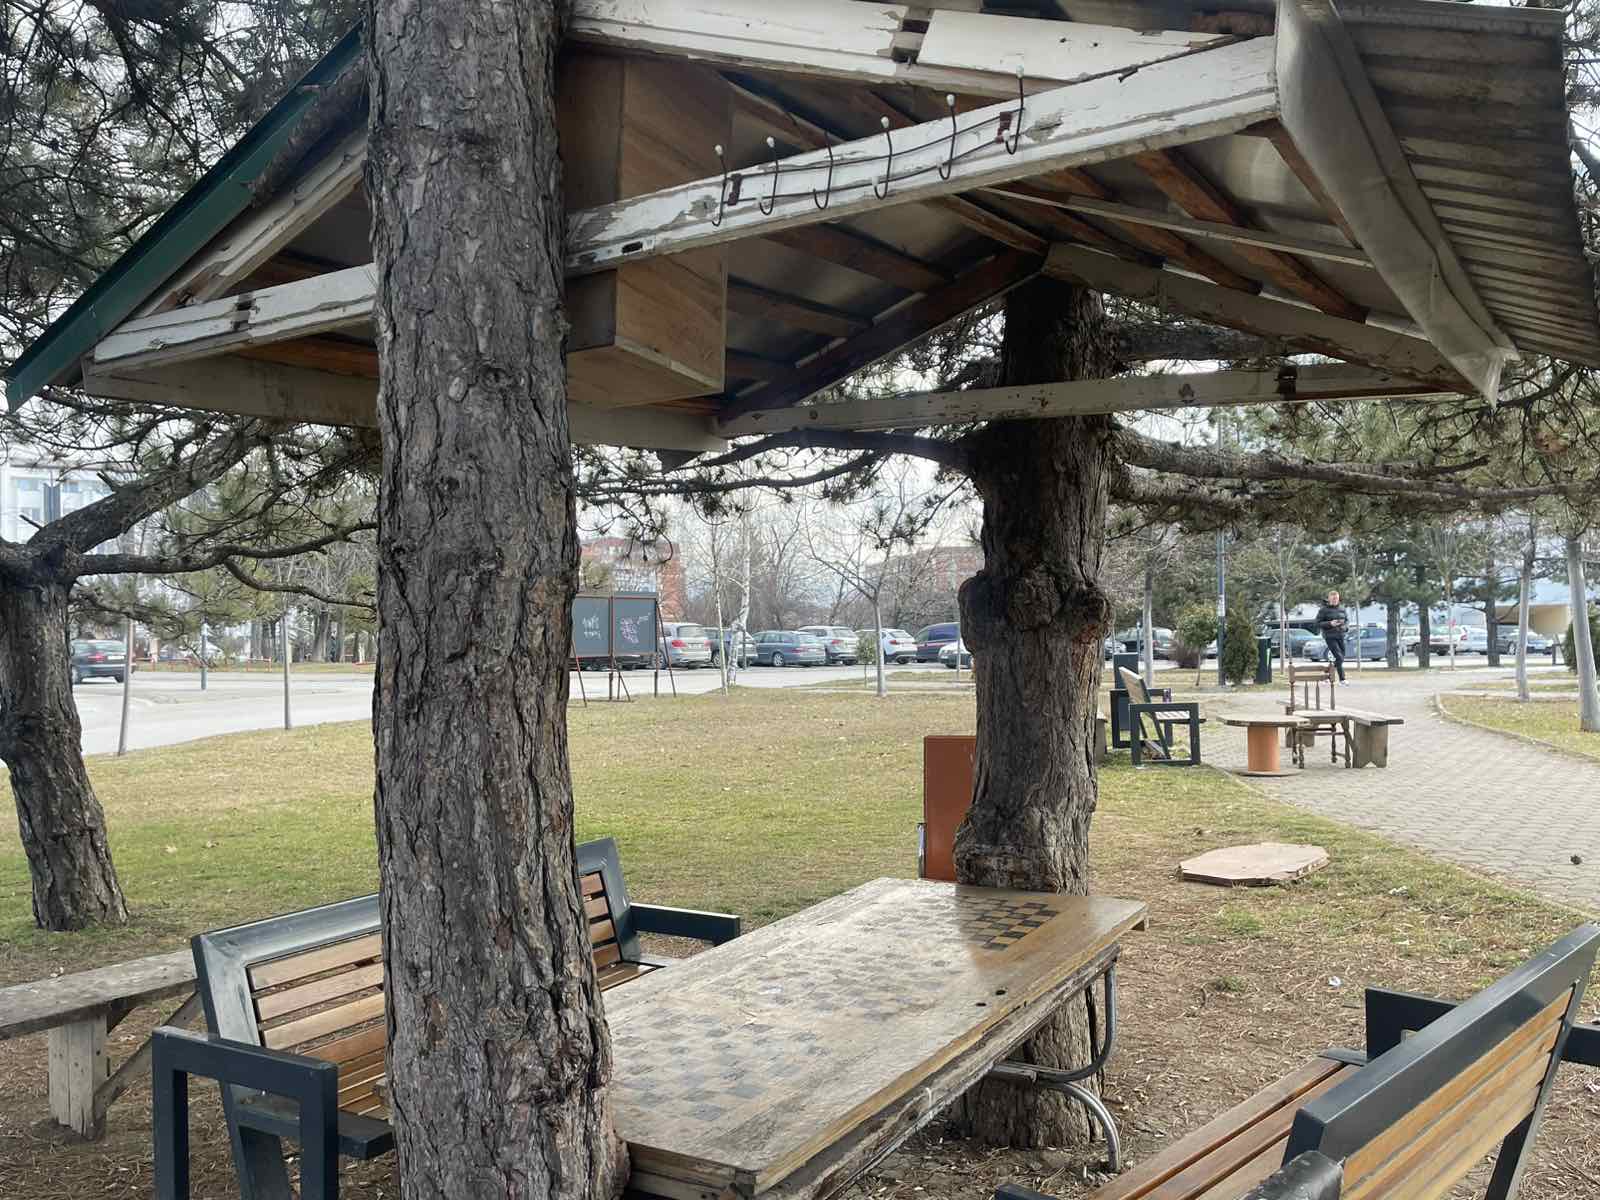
x=1524, y=600
x=1582, y=642
x=1392, y=647
x=1491, y=615
x=1424, y=636
x=62, y=825
x=1036, y=617
x=499, y=1059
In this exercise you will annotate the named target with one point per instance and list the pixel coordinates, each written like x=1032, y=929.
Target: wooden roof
x=1391, y=188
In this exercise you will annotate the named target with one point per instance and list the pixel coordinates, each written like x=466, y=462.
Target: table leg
x=78, y=1066
x=1261, y=749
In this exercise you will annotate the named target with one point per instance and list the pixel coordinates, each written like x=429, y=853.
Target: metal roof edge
x=200, y=214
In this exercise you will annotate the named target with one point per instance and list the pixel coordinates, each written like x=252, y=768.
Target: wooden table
x=791, y=1059
x=1261, y=740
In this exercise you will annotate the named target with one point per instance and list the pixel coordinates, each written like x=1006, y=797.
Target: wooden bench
x=78, y=1011
x=1406, y=1119
x=295, y=1004
x=1163, y=717
x=1367, y=737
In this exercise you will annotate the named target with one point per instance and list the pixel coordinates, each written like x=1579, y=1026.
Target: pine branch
x=216, y=556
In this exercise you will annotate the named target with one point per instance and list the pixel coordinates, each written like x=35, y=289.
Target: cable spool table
x=1261, y=741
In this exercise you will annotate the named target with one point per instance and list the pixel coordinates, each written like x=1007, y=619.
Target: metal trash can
x=1263, y=660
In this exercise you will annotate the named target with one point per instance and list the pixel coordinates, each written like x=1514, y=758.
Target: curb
x=1564, y=752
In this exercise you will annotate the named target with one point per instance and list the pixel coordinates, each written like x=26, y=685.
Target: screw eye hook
x=1016, y=121
x=827, y=191
x=722, y=196
x=888, y=170
x=950, y=155
x=772, y=202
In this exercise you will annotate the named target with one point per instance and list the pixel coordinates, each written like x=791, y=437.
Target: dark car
x=935, y=638
x=1297, y=636
x=789, y=647
x=1374, y=645
x=723, y=641
x=1537, y=642
x=98, y=660
x=1131, y=641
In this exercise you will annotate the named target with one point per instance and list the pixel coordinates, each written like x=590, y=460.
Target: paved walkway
x=1490, y=803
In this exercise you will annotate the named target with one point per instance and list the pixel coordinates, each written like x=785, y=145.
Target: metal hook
x=766, y=209
x=1016, y=135
x=950, y=156
x=722, y=196
x=827, y=191
x=888, y=169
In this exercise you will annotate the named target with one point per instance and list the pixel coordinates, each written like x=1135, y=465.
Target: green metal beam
x=198, y=216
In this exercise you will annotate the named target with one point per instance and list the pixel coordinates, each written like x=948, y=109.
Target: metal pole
x=127, y=688
x=1222, y=603
x=202, y=654
x=288, y=720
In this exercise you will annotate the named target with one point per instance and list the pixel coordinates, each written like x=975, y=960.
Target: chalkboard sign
x=633, y=624
x=591, y=627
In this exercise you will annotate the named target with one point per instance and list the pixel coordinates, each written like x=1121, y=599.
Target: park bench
x=295, y=1009
x=1163, y=717
x=1407, y=1118
x=78, y=1011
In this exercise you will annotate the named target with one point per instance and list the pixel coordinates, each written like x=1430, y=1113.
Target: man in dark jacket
x=1332, y=620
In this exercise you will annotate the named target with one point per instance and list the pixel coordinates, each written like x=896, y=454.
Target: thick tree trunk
x=499, y=1059
x=1491, y=612
x=1582, y=643
x=1035, y=617
x=1391, y=617
x=1424, y=636
x=62, y=825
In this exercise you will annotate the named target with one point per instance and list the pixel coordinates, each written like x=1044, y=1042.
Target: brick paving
x=1490, y=803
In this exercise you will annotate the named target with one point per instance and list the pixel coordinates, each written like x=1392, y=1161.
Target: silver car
x=842, y=645
x=684, y=644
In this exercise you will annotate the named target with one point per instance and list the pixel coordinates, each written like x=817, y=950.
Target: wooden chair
x=1163, y=716
x=1406, y=1119
x=1310, y=677
x=289, y=998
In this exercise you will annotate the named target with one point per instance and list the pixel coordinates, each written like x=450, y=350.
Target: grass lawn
x=1552, y=721
x=763, y=803
x=1567, y=683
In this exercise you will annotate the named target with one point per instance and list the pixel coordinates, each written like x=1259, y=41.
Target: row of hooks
x=733, y=181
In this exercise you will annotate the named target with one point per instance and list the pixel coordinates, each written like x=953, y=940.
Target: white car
x=897, y=645
x=948, y=655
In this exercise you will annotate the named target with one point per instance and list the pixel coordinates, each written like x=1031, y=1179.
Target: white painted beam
x=278, y=391
x=1212, y=389
x=869, y=44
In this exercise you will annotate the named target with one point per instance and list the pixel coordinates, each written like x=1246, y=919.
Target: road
x=170, y=707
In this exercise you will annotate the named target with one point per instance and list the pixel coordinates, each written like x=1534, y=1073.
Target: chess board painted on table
x=734, y=1068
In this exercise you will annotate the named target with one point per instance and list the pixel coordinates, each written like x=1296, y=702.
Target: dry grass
x=764, y=803
x=1553, y=722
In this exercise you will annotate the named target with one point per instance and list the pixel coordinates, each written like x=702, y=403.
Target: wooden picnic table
x=784, y=1063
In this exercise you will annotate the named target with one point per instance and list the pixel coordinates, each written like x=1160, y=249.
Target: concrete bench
x=78, y=1011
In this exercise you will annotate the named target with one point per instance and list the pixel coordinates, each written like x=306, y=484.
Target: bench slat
x=348, y=1049
x=1246, y=1177
x=604, y=956
x=1283, y=1095
x=596, y=908
x=601, y=932
x=333, y=1020
x=593, y=883
x=48, y=1003
x=315, y=962
x=309, y=995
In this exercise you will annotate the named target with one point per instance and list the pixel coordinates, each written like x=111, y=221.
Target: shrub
x=1238, y=647
x=1569, y=650
x=1197, y=628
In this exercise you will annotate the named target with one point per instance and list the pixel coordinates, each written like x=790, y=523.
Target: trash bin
x=1263, y=660
x=1119, y=698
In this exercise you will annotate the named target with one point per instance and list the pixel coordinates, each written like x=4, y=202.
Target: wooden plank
x=1370, y=345
x=742, y=365
x=593, y=884
x=827, y=1017
x=919, y=317
x=332, y=1020
x=313, y=962
x=354, y=1047
x=992, y=225
x=1286, y=1093
x=42, y=1004
x=604, y=956
x=1461, y=49
x=596, y=908
x=136, y=1067
x=863, y=255
x=78, y=1067
x=1134, y=393
x=621, y=972
x=602, y=931
x=1187, y=186
x=767, y=305
x=320, y=991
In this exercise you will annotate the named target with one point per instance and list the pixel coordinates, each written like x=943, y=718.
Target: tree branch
x=145, y=564
x=295, y=589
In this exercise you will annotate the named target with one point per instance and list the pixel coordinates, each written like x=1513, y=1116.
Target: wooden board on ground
x=737, y=1068
x=1257, y=865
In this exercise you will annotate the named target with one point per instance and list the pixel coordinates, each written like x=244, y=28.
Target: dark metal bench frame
x=1397, y=1072
x=260, y=1116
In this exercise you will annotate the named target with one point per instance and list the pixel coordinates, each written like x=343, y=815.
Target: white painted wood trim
x=1211, y=389
x=849, y=40
x=1172, y=103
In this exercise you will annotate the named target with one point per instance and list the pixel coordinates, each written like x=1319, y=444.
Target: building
x=629, y=565
x=35, y=491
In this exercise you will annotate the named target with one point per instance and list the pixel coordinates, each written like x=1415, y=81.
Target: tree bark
x=1036, y=617
x=1530, y=553
x=1491, y=611
x=62, y=825
x=1391, y=618
x=1582, y=642
x=499, y=1059
x=1424, y=636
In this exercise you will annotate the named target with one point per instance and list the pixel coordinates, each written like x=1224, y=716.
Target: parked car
x=98, y=660
x=1112, y=646
x=935, y=638
x=1131, y=641
x=684, y=644
x=1537, y=642
x=897, y=645
x=789, y=647
x=1374, y=645
x=956, y=654
x=1297, y=637
x=742, y=645
x=1469, y=639
x=841, y=644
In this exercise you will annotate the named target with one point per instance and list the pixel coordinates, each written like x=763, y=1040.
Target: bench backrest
x=1134, y=686
x=311, y=982
x=1420, y=1116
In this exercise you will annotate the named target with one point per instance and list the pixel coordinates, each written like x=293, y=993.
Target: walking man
x=1332, y=621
